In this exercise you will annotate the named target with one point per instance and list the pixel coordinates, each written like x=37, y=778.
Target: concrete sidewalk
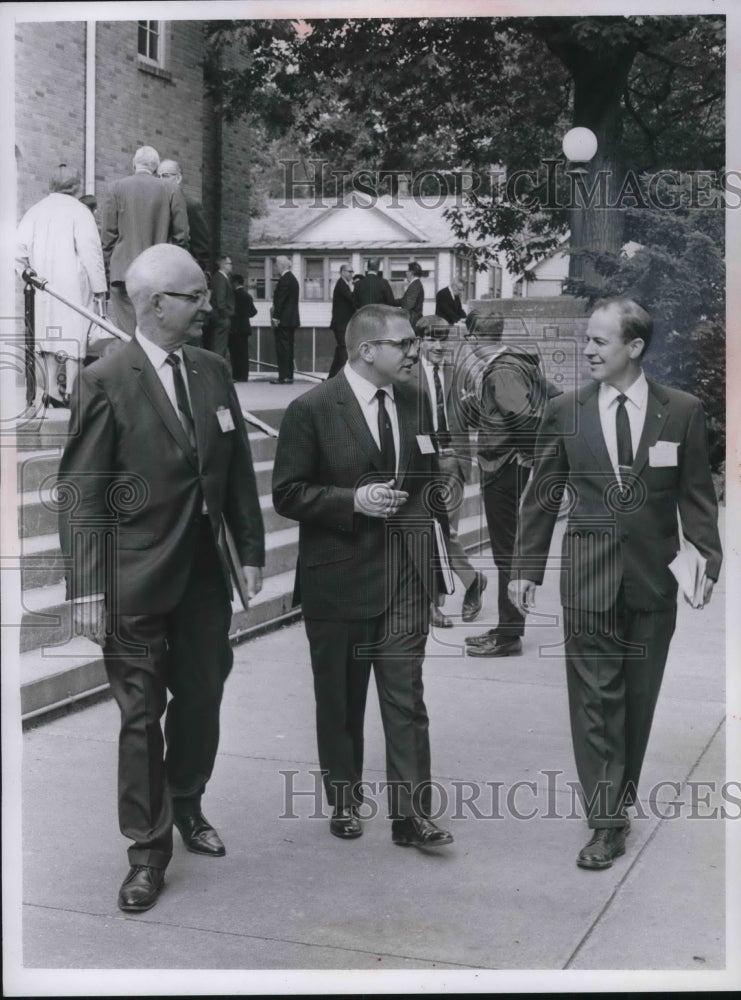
x=288, y=896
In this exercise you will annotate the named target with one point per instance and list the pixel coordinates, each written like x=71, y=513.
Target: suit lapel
x=155, y=393
x=353, y=417
x=591, y=427
x=198, y=401
x=657, y=411
x=406, y=412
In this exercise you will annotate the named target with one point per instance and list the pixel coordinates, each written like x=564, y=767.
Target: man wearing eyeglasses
x=355, y=466
x=200, y=238
x=157, y=461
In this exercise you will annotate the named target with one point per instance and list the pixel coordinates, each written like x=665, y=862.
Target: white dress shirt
x=430, y=376
x=365, y=393
x=158, y=357
x=636, y=404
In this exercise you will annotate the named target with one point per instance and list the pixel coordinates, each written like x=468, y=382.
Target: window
x=314, y=279
x=256, y=282
x=465, y=272
x=495, y=282
x=151, y=43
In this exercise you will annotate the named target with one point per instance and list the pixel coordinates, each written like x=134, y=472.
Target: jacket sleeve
x=86, y=473
x=541, y=502
x=109, y=227
x=298, y=492
x=179, y=229
x=698, y=507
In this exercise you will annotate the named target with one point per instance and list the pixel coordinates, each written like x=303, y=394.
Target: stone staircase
x=58, y=669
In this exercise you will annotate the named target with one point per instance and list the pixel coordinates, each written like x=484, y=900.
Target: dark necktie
x=181, y=395
x=385, y=435
x=443, y=433
x=624, y=442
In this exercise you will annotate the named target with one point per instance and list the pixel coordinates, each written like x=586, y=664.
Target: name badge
x=663, y=454
x=425, y=444
x=224, y=417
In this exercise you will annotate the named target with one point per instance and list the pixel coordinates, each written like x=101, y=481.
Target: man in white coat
x=58, y=238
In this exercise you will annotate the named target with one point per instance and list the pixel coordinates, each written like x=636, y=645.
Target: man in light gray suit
x=138, y=212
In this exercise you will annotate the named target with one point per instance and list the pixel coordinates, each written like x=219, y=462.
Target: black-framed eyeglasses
x=190, y=296
x=404, y=345
x=166, y=176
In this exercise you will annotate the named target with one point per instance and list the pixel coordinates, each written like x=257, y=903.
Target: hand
x=253, y=579
x=522, y=595
x=379, y=499
x=89, y=619
x=100, y=304
x=706, y=595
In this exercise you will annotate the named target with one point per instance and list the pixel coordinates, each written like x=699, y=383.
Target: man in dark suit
x=138, y=212
x=372, y=289
x=343, y=306
x=353, y=466
x=631, y=453
x=199, y=240
x=241, y=331
x=222, y=304
x=413, y=299
x=156, y=461
x=285, y=319
x=454, y=456
x=448, y=303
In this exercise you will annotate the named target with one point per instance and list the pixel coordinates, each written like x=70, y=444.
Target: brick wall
x=50, y=105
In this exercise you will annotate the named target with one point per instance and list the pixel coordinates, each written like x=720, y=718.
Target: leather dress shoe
x=473, y=597
x=140, y=889
x=606, y=845
x=198, y=834
x=345, y=825
x=281, y=381
x=438, y=619
x=497, y=647
x=418, y=831
x=482, y=639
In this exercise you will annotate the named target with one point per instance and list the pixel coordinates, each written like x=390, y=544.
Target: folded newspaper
x=688, y=567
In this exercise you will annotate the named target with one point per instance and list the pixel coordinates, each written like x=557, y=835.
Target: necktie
x=181, y=395
x=624, y=442
x=443, y=433
x=385, y=435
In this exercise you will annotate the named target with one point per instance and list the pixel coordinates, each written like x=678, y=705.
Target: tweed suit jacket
x=413, y=300
x=460, y=442
x=325, y=452
x=139, y=211
x=128, y=464
x=222, y=297
x=611, y=538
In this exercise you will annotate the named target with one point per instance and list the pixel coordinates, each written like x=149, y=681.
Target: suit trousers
x=340, y=353
x=614, y=667
x=453, y=484
x=284, y=338
x=502, y=496
x=187, y=652
x=121, y=308
x=342, y=654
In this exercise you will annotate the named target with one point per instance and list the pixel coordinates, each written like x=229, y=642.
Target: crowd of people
x=372, y=464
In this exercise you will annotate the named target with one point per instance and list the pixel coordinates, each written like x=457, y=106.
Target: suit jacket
x=449, y=306
x=413, y=300
x=325, y=452
x=609, y=541
x=128, y=463
x=199, y=236
x=285, y=301
x=222, y=298
x=343, y=306
x=139, y=211
x=244, y=310
x=460, y=440
x=373, y=290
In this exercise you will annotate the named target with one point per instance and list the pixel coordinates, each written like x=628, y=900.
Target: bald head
x=167, y=319
x=283, y=264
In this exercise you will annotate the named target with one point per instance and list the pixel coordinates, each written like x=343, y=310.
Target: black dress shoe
x=606, y=845
x=479, y=640
x=198, y=834
x=473, y=597
x=418, y=831
x=345, y=825
x=140, y=889
x=438, y=619
x=497, y=647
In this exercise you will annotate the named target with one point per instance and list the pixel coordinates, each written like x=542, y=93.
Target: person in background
x=241, y=329
x=138, y=212
x=343, y=307
x=199, y=239
x=413, y=299
x=58, y=238
x=371, y=288
x=284, y=317
x=222, y=304
x=448, y=302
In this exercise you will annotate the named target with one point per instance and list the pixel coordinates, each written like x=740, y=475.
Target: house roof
x=404, y=223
